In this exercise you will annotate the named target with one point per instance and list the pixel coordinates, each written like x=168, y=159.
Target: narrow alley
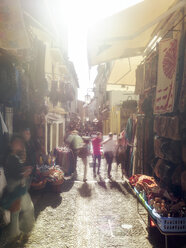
x=93, y=124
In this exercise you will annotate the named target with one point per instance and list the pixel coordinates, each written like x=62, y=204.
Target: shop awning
x=123, y=71
x=128, y=33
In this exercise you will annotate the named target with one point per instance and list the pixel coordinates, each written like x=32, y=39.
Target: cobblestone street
x=99, y=214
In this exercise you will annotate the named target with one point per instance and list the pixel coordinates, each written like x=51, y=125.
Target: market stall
x=156, y=135
x=64, y=157
x=165, y=212
x=47, y=174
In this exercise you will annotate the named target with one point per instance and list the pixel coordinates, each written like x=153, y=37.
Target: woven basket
x=56, y=186
x=59, y=182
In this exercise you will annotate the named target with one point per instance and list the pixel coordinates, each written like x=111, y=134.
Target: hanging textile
x=146, y=103
x=3, y=138
x=167, y=127
x=147, y=82
x=182, y=98
x=3, y=182
x=129, y=135
x=129, y=129
x=9, y=119
x=154, y=68
x=7, y=80
x=139, y=89
x=150, y=77
x=167, y=149
x=18, y=93
x=3, y=125
x=138, y=167
x=167, y=64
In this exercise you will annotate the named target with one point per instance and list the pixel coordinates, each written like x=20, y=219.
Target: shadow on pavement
x=85, y=190
x=101, y=182
x=128, y=188
x=47, y=199
x=118, y=186
x=67, y=185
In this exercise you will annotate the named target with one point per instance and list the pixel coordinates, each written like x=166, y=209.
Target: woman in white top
x=109, y=147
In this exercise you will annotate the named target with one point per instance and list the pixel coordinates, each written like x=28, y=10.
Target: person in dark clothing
x=30, y=148
x=30, y=152
x=109, y=147
x=75, y=142
x=121, y=156
x=85, y=152
x=16, y=197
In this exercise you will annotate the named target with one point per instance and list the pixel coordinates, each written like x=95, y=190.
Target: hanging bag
x=130, y=104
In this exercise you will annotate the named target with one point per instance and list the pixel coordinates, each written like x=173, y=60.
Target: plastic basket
x=172, y=224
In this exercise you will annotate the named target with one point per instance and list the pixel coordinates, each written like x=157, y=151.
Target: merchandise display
x=162, y=205
x=47, y=174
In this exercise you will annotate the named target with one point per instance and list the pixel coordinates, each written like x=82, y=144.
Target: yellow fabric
x=127, y=33
x=123, y=71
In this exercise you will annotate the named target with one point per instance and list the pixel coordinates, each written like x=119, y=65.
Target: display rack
x=152, y=221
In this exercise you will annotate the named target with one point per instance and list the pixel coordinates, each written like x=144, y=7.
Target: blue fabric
x=9, y=198
x=96, y=157
x=128, y=133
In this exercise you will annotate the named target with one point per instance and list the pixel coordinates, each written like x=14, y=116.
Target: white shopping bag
x=3, y=182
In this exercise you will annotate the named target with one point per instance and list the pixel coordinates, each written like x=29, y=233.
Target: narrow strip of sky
x=79, y=15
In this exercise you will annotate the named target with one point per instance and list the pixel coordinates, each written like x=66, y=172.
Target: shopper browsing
x=109, y=147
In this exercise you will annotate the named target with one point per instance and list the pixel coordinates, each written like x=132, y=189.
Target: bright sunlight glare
x=79, y=15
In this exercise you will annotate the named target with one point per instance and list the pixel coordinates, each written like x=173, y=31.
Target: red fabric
x=143, y=182
x=134, y=179
x=124, y=141
x=96, y=144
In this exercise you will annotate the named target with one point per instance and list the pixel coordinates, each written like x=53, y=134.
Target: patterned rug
x=167, y=64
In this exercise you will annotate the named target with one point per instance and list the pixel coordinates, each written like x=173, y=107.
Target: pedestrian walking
x=84, y=153
x=96, y=145
x=109, y=147
x=121, y=155
x=75, y=142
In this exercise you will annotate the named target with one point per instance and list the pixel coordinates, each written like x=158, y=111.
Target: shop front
x=154, y=134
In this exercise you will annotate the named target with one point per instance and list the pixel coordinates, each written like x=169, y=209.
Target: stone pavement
x=97, y=214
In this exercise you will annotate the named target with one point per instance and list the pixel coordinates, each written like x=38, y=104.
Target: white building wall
x=117, y=97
